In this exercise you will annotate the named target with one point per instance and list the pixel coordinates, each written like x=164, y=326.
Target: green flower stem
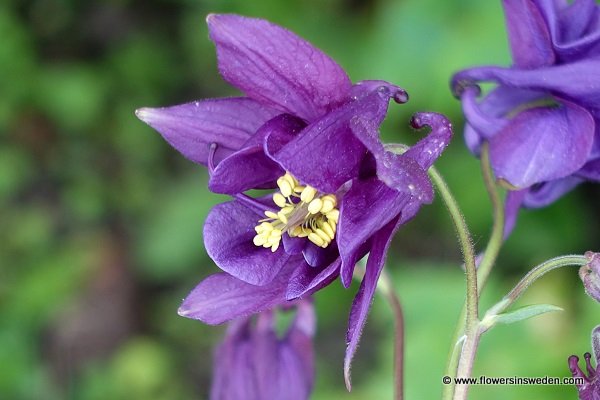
x=535, y=274
x=470, y=316
x=496, y=238
x=386, y=288
x=485, y=266
x=466, y=245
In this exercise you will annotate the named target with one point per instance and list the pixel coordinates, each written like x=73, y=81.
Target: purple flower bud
x=590, y=389
x=254, y=363
x=590, y=275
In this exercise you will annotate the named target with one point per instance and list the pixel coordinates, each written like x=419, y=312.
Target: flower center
x=303, y=212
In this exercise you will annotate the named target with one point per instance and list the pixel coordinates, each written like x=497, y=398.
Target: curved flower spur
x=306, y=132
x=541, y=121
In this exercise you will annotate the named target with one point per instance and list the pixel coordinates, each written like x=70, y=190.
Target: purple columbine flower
x=590, y=389
x=304, y=130
x=590, y=275
x=540, y=120
x=253, y=363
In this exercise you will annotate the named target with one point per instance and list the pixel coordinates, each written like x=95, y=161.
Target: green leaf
x=524, y=313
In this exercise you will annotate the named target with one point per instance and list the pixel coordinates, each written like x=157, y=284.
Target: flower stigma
x=303, y=212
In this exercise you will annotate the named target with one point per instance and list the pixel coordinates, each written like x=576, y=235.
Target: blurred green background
x=101, y=221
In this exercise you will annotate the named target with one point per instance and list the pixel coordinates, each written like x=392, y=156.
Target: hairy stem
x=466, y=245
x=485, y=266
x=496, y=238
x=538, y=272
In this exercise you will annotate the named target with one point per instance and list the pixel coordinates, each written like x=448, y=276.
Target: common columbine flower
x=304, y=130
x=254, y=363
x=540, y=121
x=590, y=275
x=590, y=389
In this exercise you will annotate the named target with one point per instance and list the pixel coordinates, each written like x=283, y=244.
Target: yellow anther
x=290, y=178
x=313, y=215
x=276, y=233
x=259, y=240
x=287, y=209
x=323, y=235
x=316, y=239
x=285, y=188
x=282, y=217
x=308, y=194
x=328, y=230
x=333, y=215
x=315, y=206
x=275, y=247
x=271, y=214
x=279, y=200
x=263, y=227
x=329, y=203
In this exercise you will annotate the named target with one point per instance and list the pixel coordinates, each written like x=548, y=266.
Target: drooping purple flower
x=590, y=275
x=541, y=121
x=590, y=389
x=305, y=130
x=254, y=363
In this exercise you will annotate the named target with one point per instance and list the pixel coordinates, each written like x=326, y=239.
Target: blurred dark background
x=101, y=221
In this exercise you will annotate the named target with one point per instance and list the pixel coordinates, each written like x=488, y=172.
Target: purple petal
x=250, y=167
x=232, y=376
x=307, y=279
x=190, y=128
x=330, y=144
x=591, y=170
x=316, y=256
x=298, y=353
x=228, y=234
x=284, y=367
x=487, y=118
x=221, y=297
x=547, y=192
x=514, y=201
x=293, y=245
x=398, y=172
x=429, y=149
x=578, y=81
x=575, y=29
x=542, y=144
x=364, y=297
x=528, y=34
x=365, y=209
x=274, y=66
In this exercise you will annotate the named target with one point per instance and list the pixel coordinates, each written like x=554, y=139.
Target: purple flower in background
x=306, y=131
x=253, y=363
x=541, y=119
x=590, y=275
x=590, y=389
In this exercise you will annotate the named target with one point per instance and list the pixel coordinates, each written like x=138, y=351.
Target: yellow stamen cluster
x=304, y=212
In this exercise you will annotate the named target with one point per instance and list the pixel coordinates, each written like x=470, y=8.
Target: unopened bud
x=590, y=275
